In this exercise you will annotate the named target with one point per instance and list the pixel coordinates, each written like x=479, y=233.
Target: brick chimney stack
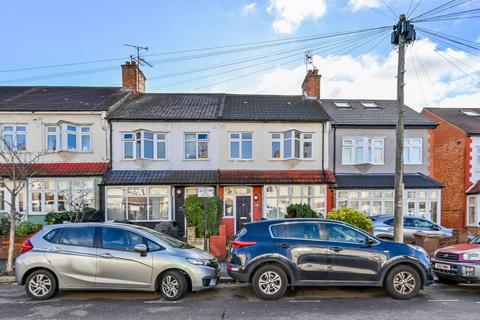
x=311, y=85
x=132, y=77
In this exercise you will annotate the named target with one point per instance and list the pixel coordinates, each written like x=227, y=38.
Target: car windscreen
x=169, y=240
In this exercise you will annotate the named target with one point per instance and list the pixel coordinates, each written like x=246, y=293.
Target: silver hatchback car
x=112, y=256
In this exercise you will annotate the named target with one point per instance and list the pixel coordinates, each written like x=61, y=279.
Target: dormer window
x=342, y=104
x=370, y=105
x=471, y=113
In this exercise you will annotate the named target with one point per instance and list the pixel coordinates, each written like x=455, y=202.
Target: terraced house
x=137, y=156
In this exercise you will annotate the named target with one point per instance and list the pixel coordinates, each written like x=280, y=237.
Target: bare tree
x=19, y=167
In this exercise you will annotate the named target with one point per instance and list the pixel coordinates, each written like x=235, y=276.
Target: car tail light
x=27, y=246
x=242, y=244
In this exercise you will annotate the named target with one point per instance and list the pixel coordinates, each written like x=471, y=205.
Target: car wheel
x=41, y=285
x=403, y=282
x=447, y=281
x=173, y=285
x=270, y=282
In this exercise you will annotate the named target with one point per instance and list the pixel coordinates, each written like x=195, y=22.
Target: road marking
x=443, y=300
x=305, y=301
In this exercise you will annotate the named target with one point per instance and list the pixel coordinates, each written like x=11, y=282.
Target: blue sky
x=47, y=32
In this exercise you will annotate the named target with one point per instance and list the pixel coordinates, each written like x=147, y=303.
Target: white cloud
x=373, y=77
x=289, y=14
x=356, y=5
x=249, y=8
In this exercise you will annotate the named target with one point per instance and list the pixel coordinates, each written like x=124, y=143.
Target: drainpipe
x=334, y=158
x=323, y=147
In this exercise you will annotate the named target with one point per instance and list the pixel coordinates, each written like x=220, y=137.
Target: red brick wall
x=311, y=84
x=4, y=245
x=449, y=147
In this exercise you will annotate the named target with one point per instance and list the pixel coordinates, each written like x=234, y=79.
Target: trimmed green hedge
x=300, y=211
x=26, y=228
x=353, y=217
x=195, y=214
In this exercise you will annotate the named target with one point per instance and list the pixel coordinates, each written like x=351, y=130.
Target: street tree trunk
x=11, y=239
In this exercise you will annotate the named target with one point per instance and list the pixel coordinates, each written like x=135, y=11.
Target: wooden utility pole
x=403, y=34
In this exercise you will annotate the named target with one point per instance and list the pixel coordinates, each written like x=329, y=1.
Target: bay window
x=241, y=146
x=477, y=158
x=144, y=145
x=138, y=203
x=292, y=144
x=279, y=197
x=14, y=137
x=68, y=137
x=412, y=151
x=196, y=146
x=362, y=150
x=59, y=194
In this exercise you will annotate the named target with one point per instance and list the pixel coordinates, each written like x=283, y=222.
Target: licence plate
x=213, y=282
x=442, y=266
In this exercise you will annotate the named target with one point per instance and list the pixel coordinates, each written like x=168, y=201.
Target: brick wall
x=4, y=246
x=448, y=164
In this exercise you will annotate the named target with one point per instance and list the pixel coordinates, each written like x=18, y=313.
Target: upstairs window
x=196, y=146
x=241, y=146
x=292, y=144
x=362, y=150
x=144, y=145
x=68, y=137
x=14, y=137
x=412, y=151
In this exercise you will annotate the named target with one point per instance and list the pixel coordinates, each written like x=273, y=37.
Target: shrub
x=26, y=228
x=4, y=224
x=167, y=228
x=300, y=211
x=351, y=216
x=194, y=212
x=72, y=216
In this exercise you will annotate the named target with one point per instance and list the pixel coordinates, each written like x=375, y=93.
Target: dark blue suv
x=275, y=254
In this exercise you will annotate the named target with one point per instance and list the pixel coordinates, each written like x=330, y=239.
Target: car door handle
x=106, y=255
x=283, y=245
x=336, y=249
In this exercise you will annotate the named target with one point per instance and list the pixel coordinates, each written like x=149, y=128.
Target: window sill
x=228, y=217
x=412, y=164
x=145, y=159
x=68, y=151
x=208, y=159
x=291, y=159
x=240, y=160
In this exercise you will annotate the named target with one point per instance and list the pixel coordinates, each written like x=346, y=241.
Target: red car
x=459, y=263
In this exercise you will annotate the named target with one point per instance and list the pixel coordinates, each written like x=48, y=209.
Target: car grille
x=447, y=256
x=213, y=263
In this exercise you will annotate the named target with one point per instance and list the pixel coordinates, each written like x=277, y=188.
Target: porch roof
x=275, y=176
x=384, y=181
x=57, y=169
x=161, y=177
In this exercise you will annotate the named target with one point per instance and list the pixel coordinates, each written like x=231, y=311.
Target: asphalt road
x=230, y=301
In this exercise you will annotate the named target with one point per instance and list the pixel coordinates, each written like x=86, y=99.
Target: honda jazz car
x=275, y=254
x=112, y=256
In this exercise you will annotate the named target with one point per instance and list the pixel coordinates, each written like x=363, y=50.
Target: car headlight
x=197, y=262
x=474, y=256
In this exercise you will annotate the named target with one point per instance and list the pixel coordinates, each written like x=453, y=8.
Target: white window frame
x=340, y=198
x=293, y=199
x=409, y=145
x=15, y=133
x=196, y=140
x=138, y=136
x=367, y=147
x=5, y=206
x=125, y=195
x=56, y=190
x=476, y=158
x=55, y=134
x=240, y=140
x=476, y=206
x=61, y=134
x=292, y=140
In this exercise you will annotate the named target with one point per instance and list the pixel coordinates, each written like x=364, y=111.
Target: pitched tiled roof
x=41, y=98
x=169, y=106
x=475, y=189
x=221, y=107
x=384, y=181
x=151, y=177
x=272, y=108
x=359, y=115
x=61, y=169
x=469, y=124
x=275, y=176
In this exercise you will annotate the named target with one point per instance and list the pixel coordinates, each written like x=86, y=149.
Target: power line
x=415, y=8
x=445, y=6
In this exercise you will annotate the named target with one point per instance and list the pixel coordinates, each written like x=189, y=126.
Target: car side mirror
x=369, y=241
x=436, y=228
x=142, y=248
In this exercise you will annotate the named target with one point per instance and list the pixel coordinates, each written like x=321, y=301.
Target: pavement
x=237, y=301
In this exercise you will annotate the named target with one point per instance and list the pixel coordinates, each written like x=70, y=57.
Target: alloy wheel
x=40, y=285
x=404, y=282
x=170, y=286
x=270, y=282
